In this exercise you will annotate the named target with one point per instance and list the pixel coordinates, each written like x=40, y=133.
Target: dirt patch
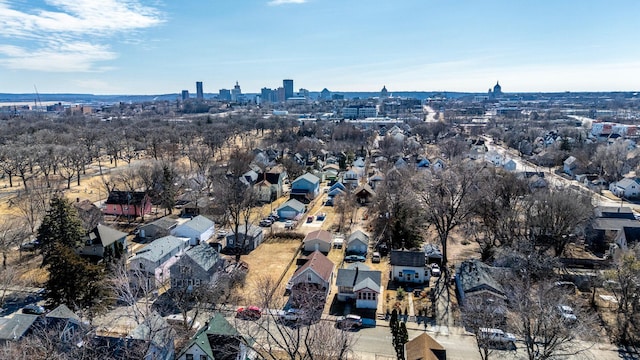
x=271, y=258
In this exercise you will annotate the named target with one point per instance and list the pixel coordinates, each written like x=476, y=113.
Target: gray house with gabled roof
x=475, y=278
x=359, y=284
x=199, y=265
x=357, y=243
x=103, y=239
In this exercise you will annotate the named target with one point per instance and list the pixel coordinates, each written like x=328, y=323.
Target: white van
x=375, y=258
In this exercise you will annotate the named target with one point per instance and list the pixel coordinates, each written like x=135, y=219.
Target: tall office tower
x=281, y=94
x=185, y=95
x=265, y=94
x=199, y=93
x=224, y=94
x=287, y=84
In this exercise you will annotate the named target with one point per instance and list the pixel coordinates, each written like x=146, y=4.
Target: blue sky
x=164, y=46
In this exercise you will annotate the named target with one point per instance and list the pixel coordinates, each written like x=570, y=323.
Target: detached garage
x=319, y=240
x=198, y=229
x=291, y=209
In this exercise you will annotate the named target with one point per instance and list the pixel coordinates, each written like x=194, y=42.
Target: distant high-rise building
x=303, y=93
x=236, y=92
x=287, y=84
x=199, y=93
x=185, y=95
x=224, y=95
x=265, y=94
x=281, y=94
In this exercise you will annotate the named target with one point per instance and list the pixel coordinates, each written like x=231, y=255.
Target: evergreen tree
x=72, y=280
x=61, y=226
x=399, y=334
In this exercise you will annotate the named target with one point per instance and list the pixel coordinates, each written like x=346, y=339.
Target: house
x=217, y=340
x=157, y=335
x=432, y=254
x=612, y=225
x=104, y=241
x=305, y=188
x=152, y=263
x=357, y=243
x=376, y=179
x=510, y=165
x=312, y=281
x=17, y=327
x=195, y=207
x=364, y=194
x=199, y=265
x=331, y=171
x=570, y=164
x=408, y=266
x=199, y=229
x=318, y=240
x=475, y=278
x=251, y=237
x=158, y=228
x=438, y=164
x=494, y=158
x=276, y=176
x=424, y=347
x=291, y=209
x=360, y=284
x=351, y=178
x=626, y=188
x=263, y=191
x=66, y=324
x=89, y=214
x=127, y=203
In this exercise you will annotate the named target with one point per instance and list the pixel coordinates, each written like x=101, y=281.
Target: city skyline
x=157, y=47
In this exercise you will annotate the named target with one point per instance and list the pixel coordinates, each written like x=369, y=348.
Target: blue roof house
x=305, y=186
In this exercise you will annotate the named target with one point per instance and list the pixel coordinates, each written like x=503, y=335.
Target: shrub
x=400, y=293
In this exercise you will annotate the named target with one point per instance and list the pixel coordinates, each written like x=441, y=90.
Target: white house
x=408, y=266
x=155, y=259
x=199, y=229
x=627, y=187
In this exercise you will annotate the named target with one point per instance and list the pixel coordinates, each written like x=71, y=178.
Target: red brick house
x=127, y=203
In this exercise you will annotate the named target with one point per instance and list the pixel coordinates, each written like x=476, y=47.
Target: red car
x=249, y=313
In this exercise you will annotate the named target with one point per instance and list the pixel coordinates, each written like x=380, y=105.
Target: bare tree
x=446, y=198
x=32, y=205
x=484, y=312
x=626, y=276
x=12, y=232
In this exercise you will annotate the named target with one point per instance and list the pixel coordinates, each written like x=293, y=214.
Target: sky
x=165, y=46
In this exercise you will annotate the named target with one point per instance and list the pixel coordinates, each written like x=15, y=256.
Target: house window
x=203, y=357
x=417, y=275
x=141, y=266
x=189, y=356
x=115, y=208
x=400, y=274
x=309, y=277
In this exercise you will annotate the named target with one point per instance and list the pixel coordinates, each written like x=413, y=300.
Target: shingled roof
x=407, y=258
x=125, y=197
x=319, y=263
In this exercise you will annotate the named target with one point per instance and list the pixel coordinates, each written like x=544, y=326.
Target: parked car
x=375, y=258
x=273, y=217
x=33, y=309
x=289, y=224
x=309, y=219
x=349, y=322
x=291, y=315
x=321, y=216
x=567, y=313
x=435, y=270
x=497, y=337
x=354, y=258
x=249, y=313
x=265, y=223
x=30, y=246
x=221, y=234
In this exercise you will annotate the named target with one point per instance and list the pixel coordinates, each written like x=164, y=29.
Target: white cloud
x=282, y=2
x=71, y=35
x=57, y=57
